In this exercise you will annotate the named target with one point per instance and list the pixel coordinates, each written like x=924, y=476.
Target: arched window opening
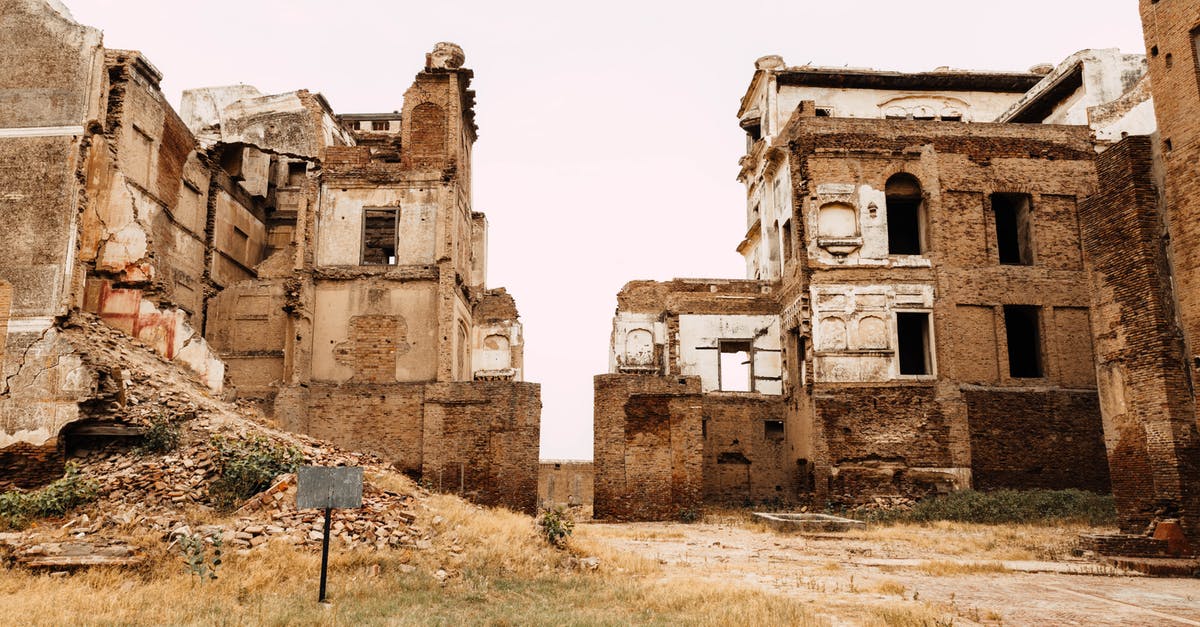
x=905, y=216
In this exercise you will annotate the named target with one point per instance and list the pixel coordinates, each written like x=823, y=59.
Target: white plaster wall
x=625, y=323
x=337, y=301
x=848, y=344
x=976, y=106
x=870, y=245
x=490, y=356
x=1139, y=120
x=339, y=226
x=698, y=341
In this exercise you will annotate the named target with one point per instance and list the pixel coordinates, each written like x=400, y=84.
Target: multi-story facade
x=330, y=267
x=915, y=317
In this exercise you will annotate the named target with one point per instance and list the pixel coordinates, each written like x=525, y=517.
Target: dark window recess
x=904, y=215
x=1024, y=341
x=952, y=118
x=795, y=356
x=1196, y=48
x=735, y=373
x=824, y=112
x=381, y=125
x=297, y=172
x=773, y=429
x=732, y=458
x=1013, y=228
x=787, y=241
x=379, y=237
x=704, y=428
x=912, y=335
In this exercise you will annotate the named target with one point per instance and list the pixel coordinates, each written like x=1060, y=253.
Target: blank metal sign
x=321, y=487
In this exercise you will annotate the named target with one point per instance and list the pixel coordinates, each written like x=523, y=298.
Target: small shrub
x=555, y=526
x=195, y=554
x=162, y=435
x=56, y=499
x=1008, y=506
x=689, y=515
x=247, y=467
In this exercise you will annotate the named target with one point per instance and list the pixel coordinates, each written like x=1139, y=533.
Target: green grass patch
x=1007, y=507
x=18, y=508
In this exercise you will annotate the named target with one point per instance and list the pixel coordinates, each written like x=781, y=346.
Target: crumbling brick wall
x=648, y=446
x=1172, y=29
x=746, y=453
x=481, y=440
x=565, y=482
x=1060, y=445
x=383, y=419
x=1145, y=391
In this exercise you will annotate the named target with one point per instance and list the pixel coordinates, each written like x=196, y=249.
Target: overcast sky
x=608, y=140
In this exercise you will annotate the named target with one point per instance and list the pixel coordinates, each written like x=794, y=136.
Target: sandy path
x=841, y=576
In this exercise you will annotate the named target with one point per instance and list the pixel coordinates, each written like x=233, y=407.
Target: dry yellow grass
x=943, y=568
x=889, y=586
x=497, y=570
x=993, y=542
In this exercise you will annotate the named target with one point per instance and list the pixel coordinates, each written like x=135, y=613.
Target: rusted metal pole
x=324, y=554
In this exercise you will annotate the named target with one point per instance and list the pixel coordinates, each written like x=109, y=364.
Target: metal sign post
x=328, y=488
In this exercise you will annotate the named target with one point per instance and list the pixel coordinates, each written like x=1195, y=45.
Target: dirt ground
x=972, y=574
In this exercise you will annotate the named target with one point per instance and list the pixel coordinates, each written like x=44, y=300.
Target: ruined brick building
x=329, y=267
x=915, y=317
x=1142, y=238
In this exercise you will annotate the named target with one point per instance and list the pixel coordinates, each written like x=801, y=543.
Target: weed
x=247, y=467
x=56, y=499
x=555, y=526
x=195, y=554
x=1007, y=506
x=162, y=435
x=689, y=515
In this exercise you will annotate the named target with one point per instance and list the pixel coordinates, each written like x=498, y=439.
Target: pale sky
x=608, y=139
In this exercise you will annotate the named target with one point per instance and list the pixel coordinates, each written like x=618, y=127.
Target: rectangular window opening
x=381, y=125
x=735, y=370
x=787, y=242
x=904, y=226
x=824, y=112
x=1013, y=228
x=379, y=236
x=773, y=430
x=912, y=340
x=1024, y=341
x=297, y=172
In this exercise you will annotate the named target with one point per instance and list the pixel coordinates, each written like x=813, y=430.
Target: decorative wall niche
x=837, y=228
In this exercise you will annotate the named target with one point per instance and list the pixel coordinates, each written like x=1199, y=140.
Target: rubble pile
x=168, y=494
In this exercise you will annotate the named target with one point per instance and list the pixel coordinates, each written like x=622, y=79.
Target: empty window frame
x=297, y=173
x=1014, y=228
x=824, y=112
x=787, y=242
x=772, y=430
x=914, y=354
x=379, y=236
x=735, y=366
x=796, y=345
x=381, y=125
x=905, y=215
x=1196, y=47
x=1023, y=332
